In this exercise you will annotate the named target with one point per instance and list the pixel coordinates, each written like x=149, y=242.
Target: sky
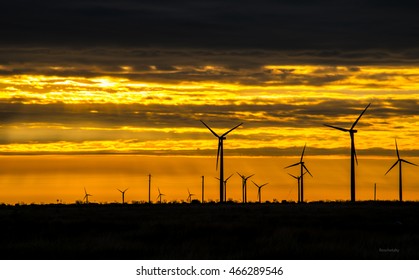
x=135, y=77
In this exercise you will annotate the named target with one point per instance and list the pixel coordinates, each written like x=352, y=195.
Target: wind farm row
x=275, y=180
x=303, y=170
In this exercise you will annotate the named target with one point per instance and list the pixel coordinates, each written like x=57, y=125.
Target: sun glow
x=284, y=109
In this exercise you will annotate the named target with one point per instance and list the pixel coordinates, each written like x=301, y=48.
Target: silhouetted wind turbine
x=149, y=188
x=225, y=186
x=220, y=155
x=298, y=178
x=259, y=190
x=86, y=196
x=190, y=196
x=244, y=186
x=352, y=132
x=399, y=161
x=203, y=188
x=160, y=195
x=123, y=194
x=302, y=167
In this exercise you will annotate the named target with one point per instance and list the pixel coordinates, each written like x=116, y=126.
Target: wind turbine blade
x=336, y=127
x=215, y=134
x=126, y=189
x=293, y=176
x=240, y=175
x=307, y=170
x=229, y=177
x=263, y=185
x=85, y=191
x=119, y=190
x=249, y=176
x=408, y=162
x=295, y=164
x=360, y=116
x=231, y=130
x=392, y=167
x=302, y=154
x=255, y=184
x=356, y=158
x=397, y=149
x=218, y=153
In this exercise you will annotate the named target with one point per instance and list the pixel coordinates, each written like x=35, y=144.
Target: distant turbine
x=86, y=196
x=298, y=178
x=149, y=188
x=160, y=195
x=203, y=188
x=220, y=155
x=399, y=161
x=259, y=190
x=375, y=191
x=225, y=186
x=302, y=167
x=190, y=196
x=352, y=132
x=123, y=194
x=244, y=186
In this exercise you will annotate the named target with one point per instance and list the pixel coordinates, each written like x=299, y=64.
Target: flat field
x=364, y=230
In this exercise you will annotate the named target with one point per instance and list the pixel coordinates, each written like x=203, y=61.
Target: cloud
x=236, y=24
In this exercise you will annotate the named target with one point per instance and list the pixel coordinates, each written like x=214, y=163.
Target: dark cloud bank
x=237, y=33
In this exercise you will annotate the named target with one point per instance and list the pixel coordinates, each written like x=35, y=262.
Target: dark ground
x=365, y=230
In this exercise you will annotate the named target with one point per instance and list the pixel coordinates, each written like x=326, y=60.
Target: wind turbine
x=203, y=187
x=225, y=186
x=244, y=186
x=86, y=196
x=190, y=196
x=352, y=132
x=399, y=161
x=302, y=167
x=298, y=178
x=123, y=194
x=259, y=190
x=160, y=195
x=220, y=155
x=149, y=188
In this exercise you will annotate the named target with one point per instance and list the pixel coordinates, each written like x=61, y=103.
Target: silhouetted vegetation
x=333, y=230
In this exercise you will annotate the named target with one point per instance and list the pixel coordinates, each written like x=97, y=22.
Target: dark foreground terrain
x=382, y=230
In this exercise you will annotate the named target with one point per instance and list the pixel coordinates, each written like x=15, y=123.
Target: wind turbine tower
x=220, y=155
x=160, y=195
x=298, y=178
x=302, y=172
x=149, y=188
x=244, y=186
x=189, y=196
x=86, y=196
x=352, y=132
x=203, y=185
x=399, y=162
x=225, y=186
x=259, y=190
x=123, y=195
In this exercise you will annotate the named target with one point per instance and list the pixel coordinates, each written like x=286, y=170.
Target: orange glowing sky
x=51, y=114
x=111, y=78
